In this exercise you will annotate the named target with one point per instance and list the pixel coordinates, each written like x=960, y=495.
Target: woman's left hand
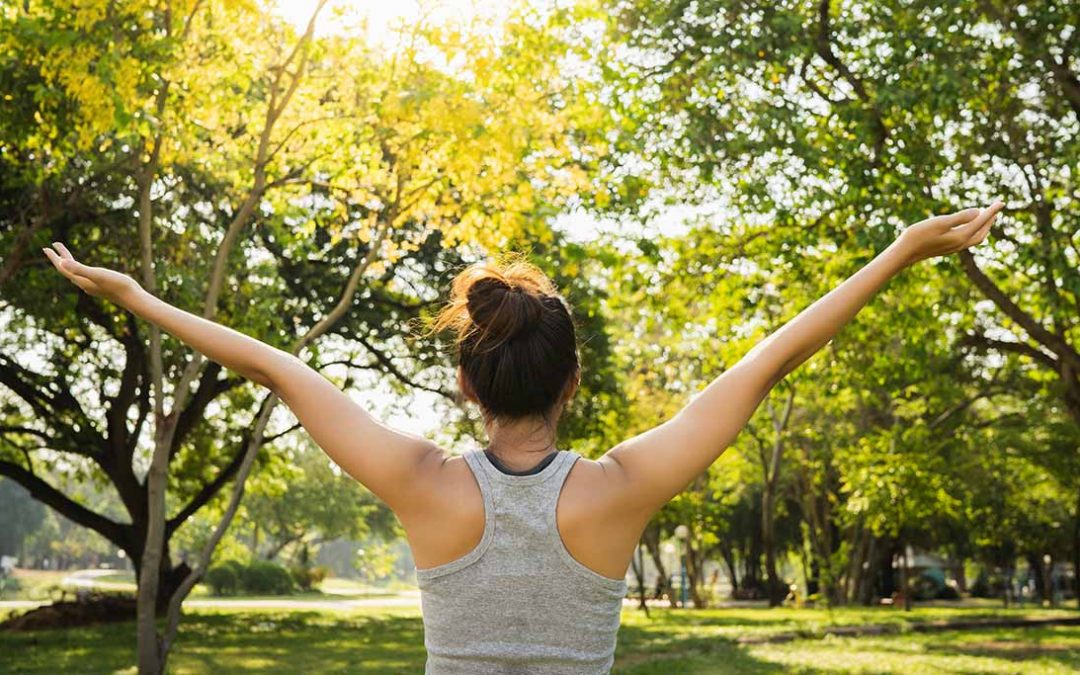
x=97, y=281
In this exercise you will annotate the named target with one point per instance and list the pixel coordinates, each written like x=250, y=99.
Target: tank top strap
x=480, y=467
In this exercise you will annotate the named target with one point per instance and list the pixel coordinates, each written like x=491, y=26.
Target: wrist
x=130, y=296
x=900, y=254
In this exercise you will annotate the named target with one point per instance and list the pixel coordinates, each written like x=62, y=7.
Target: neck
x=520, y=444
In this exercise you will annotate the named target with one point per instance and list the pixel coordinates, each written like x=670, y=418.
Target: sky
x=343, y=16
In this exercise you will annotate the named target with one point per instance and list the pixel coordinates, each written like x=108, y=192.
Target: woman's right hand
x=97, y=281
x=942, y=235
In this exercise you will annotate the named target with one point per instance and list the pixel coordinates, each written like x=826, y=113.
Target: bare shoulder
x=598, y=486
x=446, y=519
x=596, y=520
x=444, y=480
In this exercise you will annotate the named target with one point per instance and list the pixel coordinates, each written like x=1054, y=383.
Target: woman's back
x=519, y=602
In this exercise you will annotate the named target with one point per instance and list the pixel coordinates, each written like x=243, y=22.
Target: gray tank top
x=519, y=603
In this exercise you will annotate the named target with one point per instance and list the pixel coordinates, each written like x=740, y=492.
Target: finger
x=967, y=230
x=58, y=263
x=66, y=263
x=76, y=267
x=64, y=266
x=52, y=256
x=954, y=219
x=981, y=235
x=64, y=253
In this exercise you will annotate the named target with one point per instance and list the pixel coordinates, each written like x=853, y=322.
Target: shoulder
x=599, y=485
x=443, y=480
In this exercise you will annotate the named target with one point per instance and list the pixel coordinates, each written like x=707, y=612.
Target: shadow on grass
x=1052, y=644
x=678, y=643
x=234, y=642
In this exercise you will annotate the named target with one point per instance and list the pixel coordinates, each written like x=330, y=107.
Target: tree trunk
x=1076, y=550
x=728, y=555
x=776, y=589
x=961, y=577
x=905, y=584
x=773, y=582
x=651, y=537
x=1038, y=570
x=694, y=571
x=1009, y=573
x=637, y=564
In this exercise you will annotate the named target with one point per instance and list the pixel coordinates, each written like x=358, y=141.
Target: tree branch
x=62, y=504
x=823, y=44
x=1055, y=343
x=986, y=343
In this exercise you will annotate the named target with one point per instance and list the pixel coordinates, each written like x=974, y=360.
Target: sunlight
x=380, y=21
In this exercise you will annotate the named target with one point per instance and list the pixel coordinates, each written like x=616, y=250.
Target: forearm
x=799, y=339
x=239, y=353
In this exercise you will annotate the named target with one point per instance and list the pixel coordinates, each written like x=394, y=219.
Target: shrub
x=980, y=588
x=9, y=586
x=262, y=577
x=948, y=593
x=307, y=578
x=223, y=579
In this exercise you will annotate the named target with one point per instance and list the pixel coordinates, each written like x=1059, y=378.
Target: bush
x=259, y=577
x=9, y=586
x=948, y=593
x=307, y=578
x=223, y=578
x=262, y=577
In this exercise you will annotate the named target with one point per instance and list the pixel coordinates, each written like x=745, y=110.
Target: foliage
x=285, y=158
x=262, y=577
x=308, y=578
x=257, y=577
x=805, y=134
x=224, y=578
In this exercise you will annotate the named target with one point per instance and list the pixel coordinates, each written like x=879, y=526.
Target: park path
x=263, y=603
x=88, y=579
x=405, y=599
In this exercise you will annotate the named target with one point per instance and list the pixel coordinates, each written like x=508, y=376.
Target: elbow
x=276, y=371
x=767, y=371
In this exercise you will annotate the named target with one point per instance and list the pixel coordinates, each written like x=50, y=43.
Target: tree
x=24, y=514
x=826, y=125
x=314, y=193
x=839, y=121
x=310, y=502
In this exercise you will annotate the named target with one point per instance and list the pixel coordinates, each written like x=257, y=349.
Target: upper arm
x=658, y=464
x=396, y=466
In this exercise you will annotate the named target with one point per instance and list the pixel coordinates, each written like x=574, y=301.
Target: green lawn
x=669, y=642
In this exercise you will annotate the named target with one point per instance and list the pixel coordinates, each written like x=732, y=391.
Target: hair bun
x=492, y=302
x=503, y=310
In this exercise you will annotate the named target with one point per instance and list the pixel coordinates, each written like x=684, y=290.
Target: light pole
x=682, y=533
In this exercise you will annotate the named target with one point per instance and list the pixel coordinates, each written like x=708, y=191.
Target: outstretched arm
x=654, y=466
x=390, y=463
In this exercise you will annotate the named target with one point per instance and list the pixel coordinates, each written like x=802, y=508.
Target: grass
x=390, y=640
x=700, y=642
x=35, y=585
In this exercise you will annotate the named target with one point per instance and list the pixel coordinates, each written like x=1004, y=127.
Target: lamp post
x=682, y=533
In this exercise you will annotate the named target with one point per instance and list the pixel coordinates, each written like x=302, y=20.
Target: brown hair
x=516, y=340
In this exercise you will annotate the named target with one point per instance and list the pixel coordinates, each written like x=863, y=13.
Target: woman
x=522, y=548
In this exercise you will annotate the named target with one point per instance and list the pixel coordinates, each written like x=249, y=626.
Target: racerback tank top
x=518, y=603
